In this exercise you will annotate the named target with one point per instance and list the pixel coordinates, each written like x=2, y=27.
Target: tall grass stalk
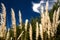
x=4, y=20
x=48, y=22
x=20, y=19
x=13, y=22
x=41, y=32
x=30, y=32
x=26, y=25
x=8, y=34
x=53, y=24
x=37, y=31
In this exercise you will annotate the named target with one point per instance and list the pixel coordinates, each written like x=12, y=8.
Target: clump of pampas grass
x=56, y=22
x=47, y=26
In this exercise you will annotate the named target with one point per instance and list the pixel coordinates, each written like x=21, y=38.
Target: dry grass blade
x=20, y=35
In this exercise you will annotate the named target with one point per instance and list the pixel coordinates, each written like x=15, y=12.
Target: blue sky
x=24, y=5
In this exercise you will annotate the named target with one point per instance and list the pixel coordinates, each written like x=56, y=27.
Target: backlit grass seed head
x=13, y=22
x=4, y=21
x=26, y=24
x=20, y=19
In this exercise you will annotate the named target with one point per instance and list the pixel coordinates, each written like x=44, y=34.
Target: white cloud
x=36, y=6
